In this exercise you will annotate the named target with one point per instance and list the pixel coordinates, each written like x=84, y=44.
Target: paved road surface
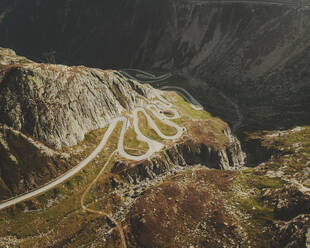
x=154, y=146
x=142, y=76
x=65, y=176
x=185, y=94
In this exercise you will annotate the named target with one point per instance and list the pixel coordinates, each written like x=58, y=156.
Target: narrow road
x=66, y=175
x=158, y=108
x=142, y=76
x=146, y=74
x=117, y=224
x=171, y=110
x=154, y=146
x=185, y=94
x=153, y=125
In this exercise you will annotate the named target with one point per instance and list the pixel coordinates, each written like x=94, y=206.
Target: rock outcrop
x=58, y=104
x=294, y=233
x=45, y=109
x=188, y=152
x=186, y=211
x=26, y=163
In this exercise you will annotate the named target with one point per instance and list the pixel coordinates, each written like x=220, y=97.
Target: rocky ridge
x=45, y=109
x=52, y=108
x=59, y=104
x=26, y=163
x=187, y=152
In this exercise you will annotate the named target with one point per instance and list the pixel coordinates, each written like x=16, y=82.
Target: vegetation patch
x=186, y=108
x=145, y=129
x=207, y=132
x=166, y=129
x=185, y=210
x=132, y=145
x=58, y=212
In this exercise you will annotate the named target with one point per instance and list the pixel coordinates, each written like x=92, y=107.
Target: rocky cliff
x=188, y=152
x=58, y=104
x=26, y=163
x=47, y=108
x=266, y=206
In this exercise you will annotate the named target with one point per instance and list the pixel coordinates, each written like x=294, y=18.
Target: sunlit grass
x=132, y=145
x=164, y=128
x=145, y=129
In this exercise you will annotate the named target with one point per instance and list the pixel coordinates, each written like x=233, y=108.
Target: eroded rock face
x=294, y=233
x=26, y=163
x=289, y=202
x=183, y=153
x=59, y=105
x=43, y=107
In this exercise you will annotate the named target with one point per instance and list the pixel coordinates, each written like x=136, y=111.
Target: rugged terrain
x=46, y=108
x=246, y=62
x=257, y=54
x=49, y=112
x=58, y=104
x=195, y=192
x=265, y=206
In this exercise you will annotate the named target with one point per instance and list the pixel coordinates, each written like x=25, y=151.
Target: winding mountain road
x=142, y=76
x=65, y=176
x=102, y=213
x=154, y=146
x=186, y=95
x=158, y=108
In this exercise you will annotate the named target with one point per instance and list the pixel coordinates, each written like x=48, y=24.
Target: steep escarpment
x=188, y=152
x=46, y=109
x=266, y=206
x=26, y=163
x=104, y=34
x=59, y=105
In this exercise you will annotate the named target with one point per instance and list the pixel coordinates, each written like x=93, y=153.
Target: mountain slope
x=257, y=54
x=58, y=104
x=45, y=109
